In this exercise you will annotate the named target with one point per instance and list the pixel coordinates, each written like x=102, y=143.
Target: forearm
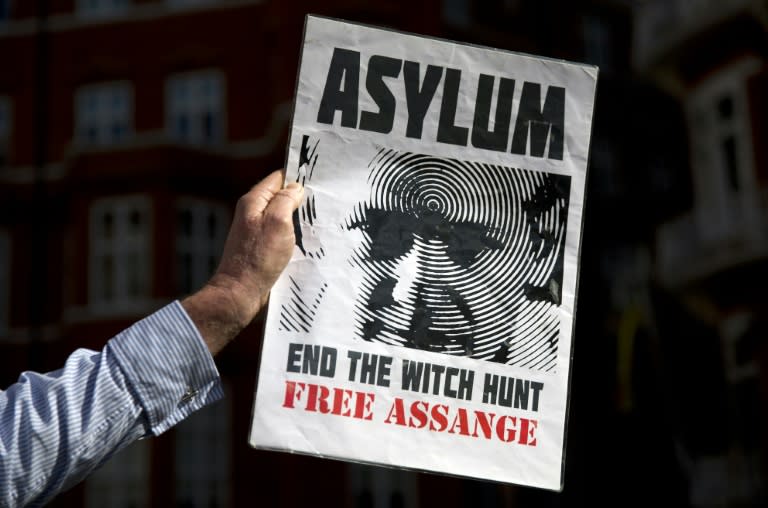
x=51, y=422
x=56, y=428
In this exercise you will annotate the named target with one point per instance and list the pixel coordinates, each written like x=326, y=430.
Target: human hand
x=258, y=247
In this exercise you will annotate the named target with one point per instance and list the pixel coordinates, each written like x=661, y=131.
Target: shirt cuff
x=168, y=366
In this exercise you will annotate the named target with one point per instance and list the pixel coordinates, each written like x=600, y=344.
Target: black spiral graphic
x=307, y=212
x=300, y=310
x=461, y=258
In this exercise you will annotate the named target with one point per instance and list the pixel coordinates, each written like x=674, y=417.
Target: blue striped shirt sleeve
x=55, y=428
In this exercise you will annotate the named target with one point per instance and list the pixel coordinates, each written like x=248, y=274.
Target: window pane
x=118, y=132
x=135, y=221
x=185, y=223
x=213, y=226
x=725, y=107
x=132, y=275
x=208, y=124
x=186, y=274
x=91, y=101
x=182, y=127
x=107, y=224
x=119, y=101
x=213, y=262
x=107, y=278
x=731, y=161
x=179, y=93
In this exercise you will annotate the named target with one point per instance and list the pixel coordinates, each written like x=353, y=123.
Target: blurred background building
x=128, y=128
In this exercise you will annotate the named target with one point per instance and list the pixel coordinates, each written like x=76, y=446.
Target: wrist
x=221, y=309
x=243, y=301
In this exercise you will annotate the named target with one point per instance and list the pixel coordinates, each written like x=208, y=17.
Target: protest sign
x=426, y=318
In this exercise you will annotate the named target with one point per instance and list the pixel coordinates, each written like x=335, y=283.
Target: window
x=119, y=251
x=5, y=281
x=5, y=130
x=721, y=147
x=203, y=458
x=716, y=132
x=104, y=113
x=195, y=108
x=102, y=8
x=201, y=231
x=123, y=481
x=740, y=335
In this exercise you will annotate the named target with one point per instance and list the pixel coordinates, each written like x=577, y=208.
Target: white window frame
x=123, y=481
x=5, y=281
x=102, y=8
x=198, y=250
x=720, y=202
x=193, y=95
x=95, y=111
x=125, y=253
x=6, y=129
x=203, y=456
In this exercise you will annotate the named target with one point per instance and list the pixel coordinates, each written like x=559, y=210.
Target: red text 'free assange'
x=418, y=414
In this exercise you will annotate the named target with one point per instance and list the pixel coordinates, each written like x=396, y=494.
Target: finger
x=257, y=199
x=286, y=200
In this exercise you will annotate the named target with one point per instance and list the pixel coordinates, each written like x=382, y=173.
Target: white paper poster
x=426, y=318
